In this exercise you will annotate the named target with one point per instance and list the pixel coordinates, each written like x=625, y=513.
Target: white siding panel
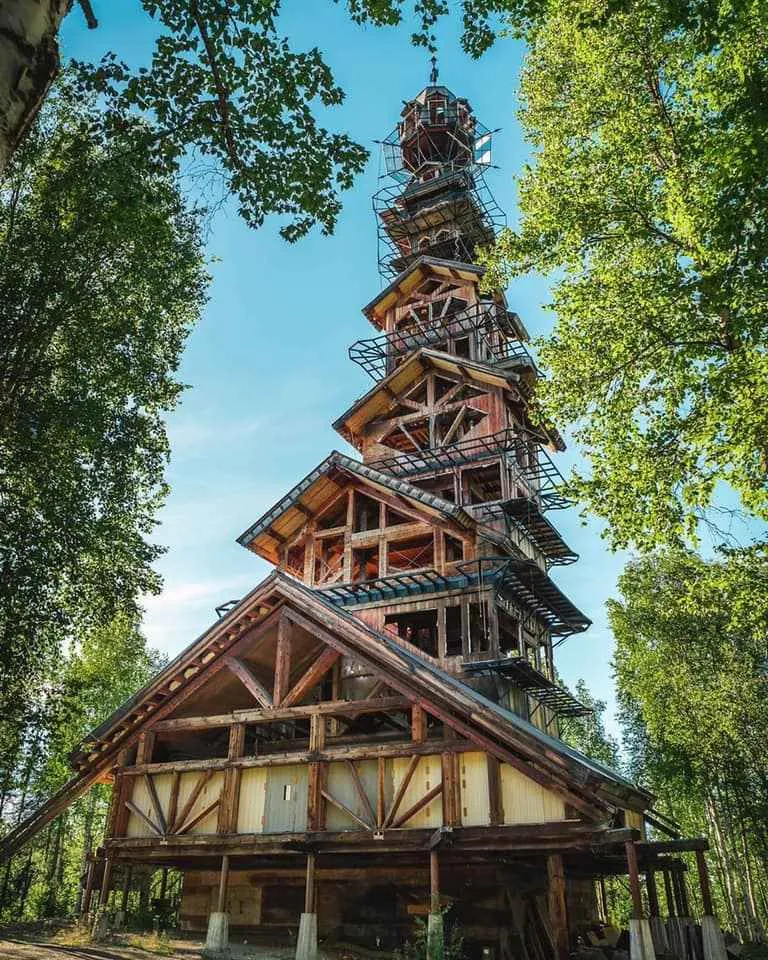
x=253, y=795
x=525, y=801
x=473, y=772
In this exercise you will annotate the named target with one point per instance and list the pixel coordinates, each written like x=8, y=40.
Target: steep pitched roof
x=316, y=490
x=583, y=782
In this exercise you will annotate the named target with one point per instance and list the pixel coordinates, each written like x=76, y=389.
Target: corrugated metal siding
x=473, y=770
x=428, y=774
x=285, y=808
x=253, y=795
x=525, y=801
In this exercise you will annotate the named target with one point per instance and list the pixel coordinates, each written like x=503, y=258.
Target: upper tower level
x=434, y=201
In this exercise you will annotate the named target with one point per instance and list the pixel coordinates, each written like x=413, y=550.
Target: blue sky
x=268, y=368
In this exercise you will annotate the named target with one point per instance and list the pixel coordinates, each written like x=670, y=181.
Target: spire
x=433, y=72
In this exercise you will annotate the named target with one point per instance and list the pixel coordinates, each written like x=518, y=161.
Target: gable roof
x=379, y=399
x=317, y=489
x=582, y=781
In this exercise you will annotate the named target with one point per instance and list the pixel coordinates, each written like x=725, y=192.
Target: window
x=329, y=559
x=365, y=563
x=483, y=485
x=412, y=554
x=366, y=513
x=454, y=549
x=453, y=637
x=478, y=628
x=420, y=629
x=288, y=792
x=393, y=518
x=335, y=516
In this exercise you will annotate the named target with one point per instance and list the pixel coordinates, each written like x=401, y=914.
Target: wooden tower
x=372, y=733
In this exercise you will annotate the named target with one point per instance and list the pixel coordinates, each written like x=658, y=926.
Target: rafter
x=254, y=686
x=312, y=677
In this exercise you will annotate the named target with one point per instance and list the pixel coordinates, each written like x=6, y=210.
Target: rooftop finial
x=433, y=72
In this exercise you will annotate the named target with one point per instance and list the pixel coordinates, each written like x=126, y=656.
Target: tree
x=691, y=674
x=588, y=734
x=646, y=199
x=95, y=676
x=101, y=280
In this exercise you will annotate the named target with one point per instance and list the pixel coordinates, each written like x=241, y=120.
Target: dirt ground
x=45, y=942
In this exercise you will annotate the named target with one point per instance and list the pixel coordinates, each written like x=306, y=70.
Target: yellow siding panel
x=341, y=786
x=140, y=797
x=427, y=775
x=210, y=792
x=525, y=801
x=473, y=772
x=253, y=794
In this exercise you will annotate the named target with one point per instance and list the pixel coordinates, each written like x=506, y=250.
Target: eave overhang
x=383, y=396
x=318, y=489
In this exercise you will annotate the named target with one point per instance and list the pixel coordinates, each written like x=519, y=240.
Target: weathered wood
x=380, y=798
x=495, y=798
x=126, y=889
x=206, y=811
x=706, y=891
x=312, y=677
x=157, y=807
x=221, y=903
x=106, y=883
x=634, y=880
x=558, y=916
x=653, y=893
x=173, y=803
x=310, y=895
x=251, y=683
x=345, y=809
x=434, y=881
x=404, y=783
x=419, y=805
x=672, y=846
x=418, y=724
x=145, y=747
x=142, y=816
x=282, y=661
x=367, y=806
x=88, y=894
x=204, y=777
x=669, y=894
x=339, y=708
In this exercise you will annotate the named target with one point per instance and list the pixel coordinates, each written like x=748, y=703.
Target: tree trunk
x=29, y=61
x=90, y=810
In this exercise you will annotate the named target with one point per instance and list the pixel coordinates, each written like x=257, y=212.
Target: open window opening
x=462, y=348
x=412, y=554
x=420, y=629
x=365, y=563
x=442, y=486
x=329, y=559
x=454, y=549
x=200, y=745
x=482, y=485
x=453, y=636
x=393, y=518
x=509, y=634
x=335, y=516
x=479, y=632
x=366, y=513
x=294, y=560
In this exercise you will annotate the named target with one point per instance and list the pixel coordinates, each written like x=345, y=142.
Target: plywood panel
x=473, y=781
x=427, y=775
x=285, y=809
x=253, y=794
x=526, y=801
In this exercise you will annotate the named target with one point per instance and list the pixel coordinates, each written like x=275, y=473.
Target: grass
x=79, y=935
x=156, y=943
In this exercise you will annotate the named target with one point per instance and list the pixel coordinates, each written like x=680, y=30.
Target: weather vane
x=433, y=72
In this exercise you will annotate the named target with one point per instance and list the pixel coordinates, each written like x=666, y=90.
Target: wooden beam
x=706, y=891
x=173, y=804
x=204, y=777
x=380, y=798
x=345, y=809
x=142, y=816
x=221, y=903
x=419, y=805
x=398, y=799
x=312, y=677
x=150, y=784
x=434, y=882
x=254, y=686
x=634, y=880
x=558, y=916
x=361, y=792
x=310, y=896
x=186, y=827
x=282, y=661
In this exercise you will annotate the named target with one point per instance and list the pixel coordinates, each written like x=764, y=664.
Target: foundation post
x=101, y=923
x=711, y=934
x=217, y=938
x=306, y=944
x=558, y=910
x=640, y=939
x=658, y=930
x=121, y=914
x=435, y=931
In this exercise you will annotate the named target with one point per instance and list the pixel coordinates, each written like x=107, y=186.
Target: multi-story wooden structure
x=373, y=732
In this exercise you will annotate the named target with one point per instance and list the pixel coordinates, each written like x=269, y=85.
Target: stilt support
x=435, y=931
x=640, y=939
x=217, y=938
x=558, y=916
x=306, y=944
x=711, y=934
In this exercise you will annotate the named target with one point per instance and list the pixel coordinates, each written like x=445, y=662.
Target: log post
x=101, y=924
x=306, y=944
x=658, y=929
x=640, y=938
x=435, y=932
x=217, y=938
x=711, y=934
x=558, y=912
x=88, y=894
x=121, y=914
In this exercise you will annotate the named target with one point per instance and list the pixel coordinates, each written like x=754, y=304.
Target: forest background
x=673, y=416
